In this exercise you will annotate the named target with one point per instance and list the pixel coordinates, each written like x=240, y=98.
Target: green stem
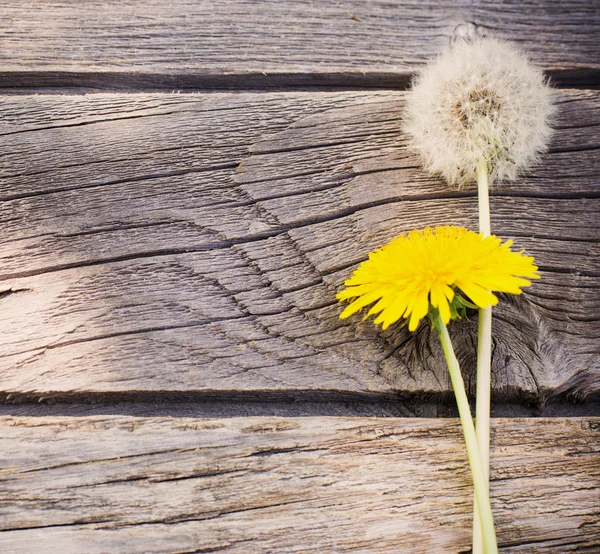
x=484, y=358
x=479, y=484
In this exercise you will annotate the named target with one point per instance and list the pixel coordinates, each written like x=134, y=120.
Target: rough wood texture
x=195, y=243
x=178, y=255
x=185, y=43
x=112, y=484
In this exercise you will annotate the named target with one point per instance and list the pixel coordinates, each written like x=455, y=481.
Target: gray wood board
x=119, y=484
x=294, y=42
x=194, y=243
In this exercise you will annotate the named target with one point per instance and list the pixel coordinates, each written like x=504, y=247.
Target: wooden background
x=183, y=188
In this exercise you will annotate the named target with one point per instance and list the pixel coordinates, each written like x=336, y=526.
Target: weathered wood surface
x=118, y=484
x=164, y=242
x=185, y=43
x=176, y=255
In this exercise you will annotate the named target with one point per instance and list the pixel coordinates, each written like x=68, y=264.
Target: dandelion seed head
x=481, y=99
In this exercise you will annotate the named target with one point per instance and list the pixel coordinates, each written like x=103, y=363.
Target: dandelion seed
x=480, y=100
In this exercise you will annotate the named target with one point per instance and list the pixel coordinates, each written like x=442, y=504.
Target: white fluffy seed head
x=479, y=100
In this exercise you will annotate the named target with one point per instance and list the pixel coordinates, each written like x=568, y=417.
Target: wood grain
x=119, y=484
x=223, y=44
x=164, y=242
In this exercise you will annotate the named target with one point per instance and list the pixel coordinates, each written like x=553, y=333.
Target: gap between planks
x=23, y=83
x=269, y=403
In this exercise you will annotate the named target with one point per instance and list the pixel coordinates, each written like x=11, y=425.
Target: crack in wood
x=135, y=179
x=7, y=292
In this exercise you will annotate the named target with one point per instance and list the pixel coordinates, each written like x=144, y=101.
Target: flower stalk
x=483, y=192
x=484, y=359
x=483, y=506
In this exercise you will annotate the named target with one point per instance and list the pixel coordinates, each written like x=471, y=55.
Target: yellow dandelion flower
x=424, y=269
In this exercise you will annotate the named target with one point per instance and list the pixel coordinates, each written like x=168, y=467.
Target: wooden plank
x=294, y=42
x=119, y=484
x=189, y=243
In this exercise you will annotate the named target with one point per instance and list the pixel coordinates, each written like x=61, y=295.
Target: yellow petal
x=478, y=295
x=419, y=311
